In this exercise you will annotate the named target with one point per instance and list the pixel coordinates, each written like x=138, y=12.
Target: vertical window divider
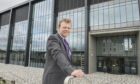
x=10, y=37
x=55, y=15
x=139, y=7
x=0, y=21
x=87, y=28
x=29, y=35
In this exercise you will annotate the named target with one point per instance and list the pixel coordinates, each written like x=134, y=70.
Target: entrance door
x=115, y=65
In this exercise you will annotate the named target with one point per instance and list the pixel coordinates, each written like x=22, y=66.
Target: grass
x=3, y=81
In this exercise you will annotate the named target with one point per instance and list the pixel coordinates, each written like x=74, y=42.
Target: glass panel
x=114, y=14
x=96, y=16
x=17, y=56
x=65, y=5
x=100, y=17
x=123, y=13
x=21, y=13
x=129, y=12
x=111, y=17
x=5, y=18
x=117, y=65
x=135, y=12
x=116, y=46
x=4, y=30
x=76, y=38
x=117, y=14
x=130, y=66
x=76, y=59
x=106, y=16
x=41, y=24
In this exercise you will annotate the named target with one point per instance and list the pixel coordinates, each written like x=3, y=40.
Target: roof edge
x=15, y=6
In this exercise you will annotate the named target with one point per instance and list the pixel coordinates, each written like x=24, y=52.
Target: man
x=58, y=62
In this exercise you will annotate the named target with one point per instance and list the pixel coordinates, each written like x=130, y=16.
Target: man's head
x=64, y=27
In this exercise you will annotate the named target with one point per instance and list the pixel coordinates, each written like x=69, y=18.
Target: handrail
x=66, y=81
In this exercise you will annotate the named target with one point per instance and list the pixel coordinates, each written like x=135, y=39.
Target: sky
x=5, y=4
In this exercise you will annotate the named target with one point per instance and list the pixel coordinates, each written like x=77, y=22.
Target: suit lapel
x=63, y=47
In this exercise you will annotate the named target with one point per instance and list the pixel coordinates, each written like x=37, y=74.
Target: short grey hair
x=66, y=20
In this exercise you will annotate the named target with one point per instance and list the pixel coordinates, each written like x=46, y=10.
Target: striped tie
x=67, y=48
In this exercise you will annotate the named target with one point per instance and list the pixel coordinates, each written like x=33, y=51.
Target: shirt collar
x=61, y=36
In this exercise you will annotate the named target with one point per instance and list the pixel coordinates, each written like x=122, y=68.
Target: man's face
x=64, y=29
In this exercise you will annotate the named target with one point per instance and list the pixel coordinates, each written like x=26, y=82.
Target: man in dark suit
x=58, y=61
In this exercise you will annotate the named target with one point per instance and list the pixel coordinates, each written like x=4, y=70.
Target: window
x=116, y=46
x=69, y=4
x=17, y=55
x=41, y=30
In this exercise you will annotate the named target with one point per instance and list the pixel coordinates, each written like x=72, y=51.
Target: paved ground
x=105, y=78
x=22, y=75
x=30, y=75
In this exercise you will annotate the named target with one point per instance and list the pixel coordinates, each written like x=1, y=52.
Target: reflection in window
x=135, y=12
x=130, y=66
x=3, y=41
x=4, y=32
x=96, y=16
x=116, y=46
x=129, y=12
x=98, y=1
x=128, y=44
x=39, y=8
x=76, y=41
x=41, y=29
x=19, y=35
x=118, y=14
x=125, y=44
x=123, y=14
x=111, y=15
x=17, y=55
x=76, y=38
x=101, y=17
x=106, y=16
x=77, y=16
x=76, y=59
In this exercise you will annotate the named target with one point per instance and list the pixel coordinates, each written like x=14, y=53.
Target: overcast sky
x=5, y=4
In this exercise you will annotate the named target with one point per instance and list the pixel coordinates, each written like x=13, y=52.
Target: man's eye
x=66, y=27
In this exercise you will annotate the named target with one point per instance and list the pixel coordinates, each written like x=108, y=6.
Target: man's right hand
x=78, y=73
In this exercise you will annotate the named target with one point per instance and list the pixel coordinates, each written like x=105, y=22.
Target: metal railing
x=73, y=80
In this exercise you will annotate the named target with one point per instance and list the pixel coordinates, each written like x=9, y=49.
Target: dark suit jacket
x=58, y=65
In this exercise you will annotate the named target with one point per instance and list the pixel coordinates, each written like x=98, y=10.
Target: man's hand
x=78, y=73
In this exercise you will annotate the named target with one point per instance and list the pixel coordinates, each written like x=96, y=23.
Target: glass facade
x=114, y=14
x=112, y=50
x=116, y=46
x=76, y=38
x=117, y=54
x=18, y=47
x=17, y=55
x=41, y=29
x=117, y=65
x=4, y=30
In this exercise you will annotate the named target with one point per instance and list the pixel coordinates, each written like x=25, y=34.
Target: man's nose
x=67, y=28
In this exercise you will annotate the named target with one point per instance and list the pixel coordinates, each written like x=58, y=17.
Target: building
x=105, y=37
